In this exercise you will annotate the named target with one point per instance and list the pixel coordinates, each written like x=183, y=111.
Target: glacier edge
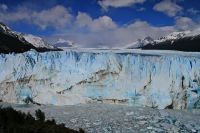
x=71, y=77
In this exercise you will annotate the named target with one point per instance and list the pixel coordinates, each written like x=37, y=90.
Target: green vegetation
x=12, y=121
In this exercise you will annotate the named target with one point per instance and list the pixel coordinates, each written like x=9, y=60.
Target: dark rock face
x=188, y=44
x=12, y=42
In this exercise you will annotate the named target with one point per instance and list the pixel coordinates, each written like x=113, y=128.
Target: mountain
x=38, y=42
x=140, y=43
x=173, y=36
x=181, y=41
x=11, y=41
x=61, y=43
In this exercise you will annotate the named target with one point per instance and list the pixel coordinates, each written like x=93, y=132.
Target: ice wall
x=159, y=80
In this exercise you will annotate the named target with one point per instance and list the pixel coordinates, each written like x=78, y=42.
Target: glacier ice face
x=143, y=78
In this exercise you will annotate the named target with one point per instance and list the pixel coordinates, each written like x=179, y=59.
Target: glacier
x=158, y=79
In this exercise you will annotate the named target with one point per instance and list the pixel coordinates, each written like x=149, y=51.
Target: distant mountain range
x=11, y=41
x=181, y=41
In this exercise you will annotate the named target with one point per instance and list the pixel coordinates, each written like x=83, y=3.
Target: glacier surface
x=158, y=79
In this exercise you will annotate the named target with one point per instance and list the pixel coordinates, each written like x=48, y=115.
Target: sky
x=100, y=23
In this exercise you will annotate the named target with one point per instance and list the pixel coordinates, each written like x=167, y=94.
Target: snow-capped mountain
x=64, y=43
x=11, y=41
x=38, y=42
x=7, y=31
x=173, y=36
x=140, y=43
x=182, y=41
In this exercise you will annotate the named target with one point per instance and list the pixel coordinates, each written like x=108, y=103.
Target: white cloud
x=3, y=7
x=105, y=4
x=104, y=36
x=103, y=22
x=19, y=15
x=103, y=32
x=57, y=17
x=185, y=23
x=90, y=32
x=193, y=11
x=83, y=19
x=168, y=7
x=96, y=25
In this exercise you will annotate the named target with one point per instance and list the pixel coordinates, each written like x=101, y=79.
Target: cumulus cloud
x=105, y=4
x=57, y=17
x=185, y=23
x=99, y=24
x=168, y=7
x=193, y=11
x=91, y=32
x=3, y=7
x=104, y=32
x=100, y=34
x=18, y=15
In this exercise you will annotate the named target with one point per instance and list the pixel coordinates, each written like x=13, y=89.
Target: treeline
x=12, y=121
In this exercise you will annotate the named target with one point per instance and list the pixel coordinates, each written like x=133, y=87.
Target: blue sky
x=100, y=23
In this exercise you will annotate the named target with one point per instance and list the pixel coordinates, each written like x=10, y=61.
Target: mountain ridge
x=188, y=41
x=12, y=41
